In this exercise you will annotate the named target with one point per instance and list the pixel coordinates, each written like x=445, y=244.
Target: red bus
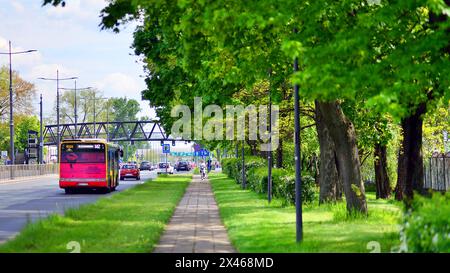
x=89, y=163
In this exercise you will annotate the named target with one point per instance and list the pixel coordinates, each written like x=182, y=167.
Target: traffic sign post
x=166, y=148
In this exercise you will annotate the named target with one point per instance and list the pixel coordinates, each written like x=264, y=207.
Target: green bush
x=425, y=226
x=283, y=181
x=257, y=179
x=233, y=166
x=230, y=167
x=285, y=188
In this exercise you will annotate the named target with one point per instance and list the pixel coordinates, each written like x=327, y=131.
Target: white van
x=164, y=167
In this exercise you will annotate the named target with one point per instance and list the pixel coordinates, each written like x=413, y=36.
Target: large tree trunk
x=410, y=160
x=330, y=186
x=381, y=174
x=343, y=134
x=279, y=154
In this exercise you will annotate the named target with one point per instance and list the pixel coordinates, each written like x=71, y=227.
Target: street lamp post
x=41, y=139
x=244, y=182
x=269, y=153
x=298, y=178
x=75, y=104
x=11, y=114
x=57, y=104
x=107, y=115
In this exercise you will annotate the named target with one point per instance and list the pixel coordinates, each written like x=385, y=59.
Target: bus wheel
x=113, y=189
x=106, y=190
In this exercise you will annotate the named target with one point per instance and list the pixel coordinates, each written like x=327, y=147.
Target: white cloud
x=49, y=71
x=70, y=40
x=17, y=6
x=119, y=85
x=122, y=85
x=81, y=9
x=26, y=60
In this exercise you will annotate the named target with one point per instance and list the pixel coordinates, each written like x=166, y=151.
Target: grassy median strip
x=255, y=226
x=130, y=221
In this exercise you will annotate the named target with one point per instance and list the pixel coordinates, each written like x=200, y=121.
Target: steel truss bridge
x=113, y=131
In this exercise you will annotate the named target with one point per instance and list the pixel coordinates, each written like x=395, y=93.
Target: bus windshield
x=83, y=153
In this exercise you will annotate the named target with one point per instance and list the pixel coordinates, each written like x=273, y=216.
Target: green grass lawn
x=130, y=221
x=255, y=226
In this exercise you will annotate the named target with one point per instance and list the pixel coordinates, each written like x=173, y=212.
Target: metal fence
x=437, y=173
x=27, y=170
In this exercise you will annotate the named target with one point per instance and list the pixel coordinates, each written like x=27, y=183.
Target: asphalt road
x=31, y=200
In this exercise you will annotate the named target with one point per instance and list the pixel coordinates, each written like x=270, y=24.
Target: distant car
x=145, y=166
x=130, y=171
x=164, y=168
x=183, y=166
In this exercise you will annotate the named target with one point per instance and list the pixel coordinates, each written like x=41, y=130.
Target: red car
x=130, y=171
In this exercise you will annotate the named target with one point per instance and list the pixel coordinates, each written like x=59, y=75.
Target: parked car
x=130, y=171
x=183, y=166
x=164, y=168
x=145, y=166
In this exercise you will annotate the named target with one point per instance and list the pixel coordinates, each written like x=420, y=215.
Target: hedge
x=425, y=226
x=283, y=181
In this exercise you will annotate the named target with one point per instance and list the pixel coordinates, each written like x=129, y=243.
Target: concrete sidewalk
x=195, y=226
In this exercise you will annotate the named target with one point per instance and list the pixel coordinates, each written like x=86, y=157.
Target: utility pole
x=75, y=116
x=269, y=153
x=11, y=115
x=298, y=177
x=244, y=182
x=41, y=139
x=11, y=108
x=75, y=110
x=107, y=115
x=95, y=133
x=58, y=133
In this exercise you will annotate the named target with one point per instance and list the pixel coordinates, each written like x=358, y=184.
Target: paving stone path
x=195, y=226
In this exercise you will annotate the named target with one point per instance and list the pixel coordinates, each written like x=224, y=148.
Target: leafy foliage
x=283, y=181
x=425, y=226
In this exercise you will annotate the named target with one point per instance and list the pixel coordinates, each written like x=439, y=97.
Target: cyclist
x=203, y=170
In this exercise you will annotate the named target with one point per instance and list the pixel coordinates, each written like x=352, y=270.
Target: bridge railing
x=20, y=171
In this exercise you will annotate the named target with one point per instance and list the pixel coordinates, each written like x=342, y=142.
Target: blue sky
x=69, y=39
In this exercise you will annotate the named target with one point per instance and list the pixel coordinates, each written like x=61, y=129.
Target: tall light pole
x=244, y=182
x=57, y=104
x=11, y=114
x=41, y=139
x=95, y=99
x=75, y=104
x=269, y=153
x=107, y=115
x=298, y=175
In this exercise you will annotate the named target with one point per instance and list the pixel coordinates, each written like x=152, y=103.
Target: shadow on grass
x=255, y=226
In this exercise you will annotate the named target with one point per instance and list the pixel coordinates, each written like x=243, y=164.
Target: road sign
x=166, y=149
x=181, y=153
x=202, y=152
x=197, y=147
x=4, y=154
